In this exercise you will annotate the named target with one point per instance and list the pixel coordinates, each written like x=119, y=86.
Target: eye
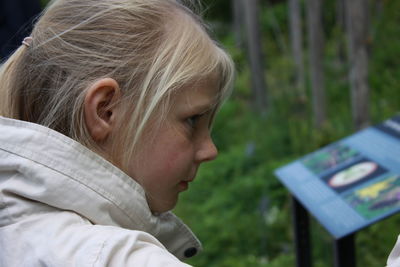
x=191, y=121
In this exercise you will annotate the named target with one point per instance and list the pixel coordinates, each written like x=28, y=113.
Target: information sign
x=351, y=183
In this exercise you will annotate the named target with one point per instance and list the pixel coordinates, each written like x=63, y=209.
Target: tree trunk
x=357, y=38
x=297, y=47
x=316, y=44
x=341, y=24
x=255, y=54
x=340, y=13
x=238, y=21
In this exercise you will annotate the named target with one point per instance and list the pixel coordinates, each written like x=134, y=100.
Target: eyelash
x=191, y=121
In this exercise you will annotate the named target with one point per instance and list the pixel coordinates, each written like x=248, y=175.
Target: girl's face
x=168, y=158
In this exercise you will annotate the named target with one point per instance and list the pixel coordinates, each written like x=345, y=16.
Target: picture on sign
x=377, y=198
x=351, y=175
x=329, y=158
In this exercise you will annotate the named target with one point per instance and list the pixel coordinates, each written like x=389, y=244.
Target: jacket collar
x=66, y=175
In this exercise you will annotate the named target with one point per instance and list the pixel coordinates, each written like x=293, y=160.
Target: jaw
x=162, y=204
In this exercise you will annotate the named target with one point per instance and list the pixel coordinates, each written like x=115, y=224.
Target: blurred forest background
x=236, y=205
x=293, y=94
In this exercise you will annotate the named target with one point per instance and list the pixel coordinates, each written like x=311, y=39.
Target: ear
x=100, y=108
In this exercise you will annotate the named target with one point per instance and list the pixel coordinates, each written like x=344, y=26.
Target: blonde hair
x=150, y=47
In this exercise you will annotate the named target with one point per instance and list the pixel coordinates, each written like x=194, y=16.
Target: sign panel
x=351, y=183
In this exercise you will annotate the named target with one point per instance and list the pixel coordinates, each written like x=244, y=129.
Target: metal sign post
x=343, y=249
x=301, y=224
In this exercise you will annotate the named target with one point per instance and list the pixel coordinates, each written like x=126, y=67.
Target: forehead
x=203, y=93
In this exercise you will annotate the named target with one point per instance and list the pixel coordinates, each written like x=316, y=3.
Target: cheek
x=175, y=158
x=167, y=157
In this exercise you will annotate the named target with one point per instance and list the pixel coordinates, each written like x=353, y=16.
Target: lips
x=184, y=184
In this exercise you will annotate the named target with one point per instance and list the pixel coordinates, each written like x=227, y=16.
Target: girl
x=107, y=109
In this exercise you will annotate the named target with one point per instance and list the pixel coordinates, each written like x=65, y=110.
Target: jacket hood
x=55, y=170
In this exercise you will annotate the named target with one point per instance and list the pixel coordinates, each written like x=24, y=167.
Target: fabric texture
x=63, y=205
x=394, y=257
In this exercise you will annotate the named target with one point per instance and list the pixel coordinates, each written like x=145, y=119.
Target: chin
x=162, y=206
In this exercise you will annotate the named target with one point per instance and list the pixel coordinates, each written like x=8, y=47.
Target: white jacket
x=63, y=205
x=394, y=257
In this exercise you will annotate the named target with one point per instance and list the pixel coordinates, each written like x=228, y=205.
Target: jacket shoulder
x=67, y=239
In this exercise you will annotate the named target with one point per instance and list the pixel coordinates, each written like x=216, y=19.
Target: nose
x=207, y=150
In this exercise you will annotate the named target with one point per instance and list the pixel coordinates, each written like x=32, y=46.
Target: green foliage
x=217, y=10
x=236, y=205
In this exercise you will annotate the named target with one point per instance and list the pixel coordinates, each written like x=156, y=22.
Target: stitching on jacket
x=99, y=253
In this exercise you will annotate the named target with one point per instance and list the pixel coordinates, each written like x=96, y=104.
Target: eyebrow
x=209, y=106
x=205, y=105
